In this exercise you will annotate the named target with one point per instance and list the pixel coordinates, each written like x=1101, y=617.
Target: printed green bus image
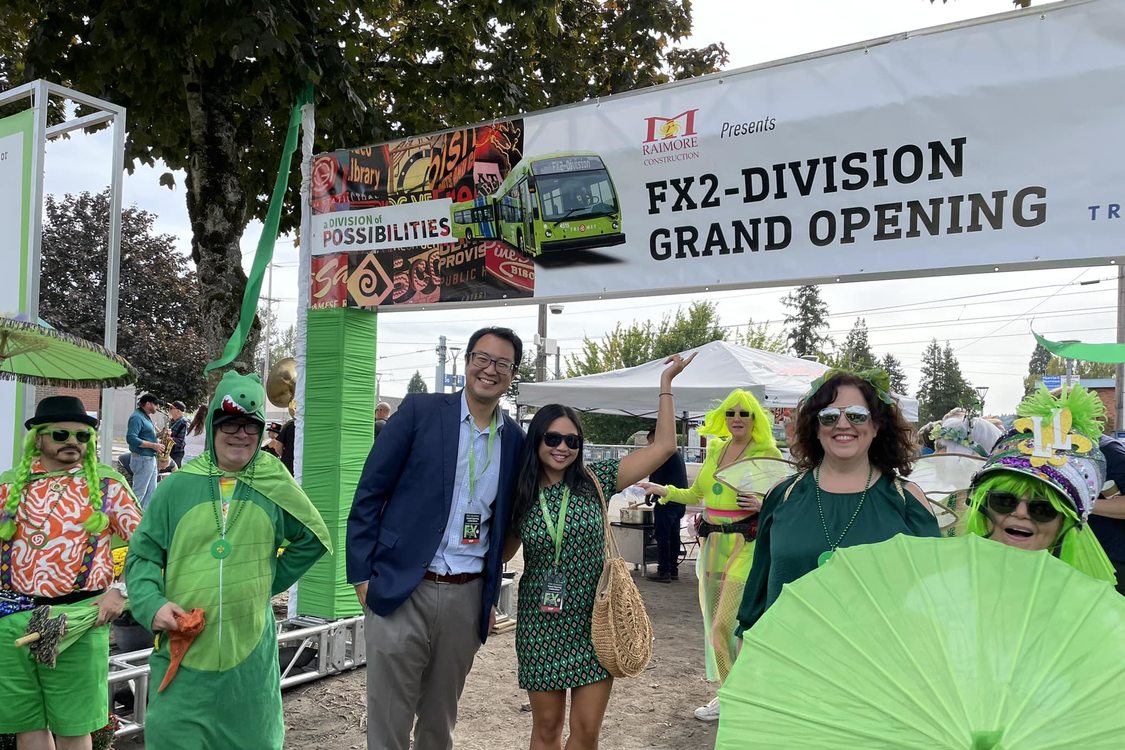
x=549, y=203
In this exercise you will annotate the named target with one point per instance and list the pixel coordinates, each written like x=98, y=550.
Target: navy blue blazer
x=402, y=503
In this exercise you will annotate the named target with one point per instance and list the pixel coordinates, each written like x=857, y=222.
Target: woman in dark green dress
x=851, y=445
x=558, y=518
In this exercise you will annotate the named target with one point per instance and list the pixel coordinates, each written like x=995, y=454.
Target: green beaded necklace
x=221, y=548
x=824, y=524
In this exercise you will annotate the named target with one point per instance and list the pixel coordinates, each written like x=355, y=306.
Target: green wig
x=98, y=520
x=1076, y=544
x=715, y=423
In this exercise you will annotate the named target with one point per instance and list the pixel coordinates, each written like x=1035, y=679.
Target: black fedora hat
x=60, y=409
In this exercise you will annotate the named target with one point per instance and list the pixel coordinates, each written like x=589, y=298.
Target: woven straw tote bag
x=621, y=631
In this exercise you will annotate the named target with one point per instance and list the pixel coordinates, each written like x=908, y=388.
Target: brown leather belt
x=457, y=578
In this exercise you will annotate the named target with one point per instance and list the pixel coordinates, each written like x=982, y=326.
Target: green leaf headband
x=877, y=377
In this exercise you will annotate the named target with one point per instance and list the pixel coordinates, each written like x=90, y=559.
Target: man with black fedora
x=58, y=510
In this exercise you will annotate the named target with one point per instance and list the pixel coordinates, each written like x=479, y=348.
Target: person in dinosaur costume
x=209, y=541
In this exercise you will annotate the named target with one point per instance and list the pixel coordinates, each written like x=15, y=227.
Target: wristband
x=666, y=393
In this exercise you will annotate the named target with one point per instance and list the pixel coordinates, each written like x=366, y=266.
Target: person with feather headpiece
x=1038, y=486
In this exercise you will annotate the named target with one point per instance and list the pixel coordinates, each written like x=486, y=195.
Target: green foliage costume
x=227, y=692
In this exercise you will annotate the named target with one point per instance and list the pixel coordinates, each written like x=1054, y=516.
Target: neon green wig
x=715, y=423
x=1076, y=544
x=98, y=520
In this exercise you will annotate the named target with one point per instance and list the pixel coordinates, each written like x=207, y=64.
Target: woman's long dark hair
x=891, y=451
x=527, y=480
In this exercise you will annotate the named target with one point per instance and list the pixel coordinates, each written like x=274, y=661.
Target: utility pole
x=269, y=325
x=439, y=371
x=454, y=350
x=541, y=351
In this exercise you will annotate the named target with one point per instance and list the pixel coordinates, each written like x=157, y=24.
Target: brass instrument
x=281, y=384
x=164, y=437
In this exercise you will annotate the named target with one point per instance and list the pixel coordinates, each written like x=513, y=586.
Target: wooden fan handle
x=26, y=639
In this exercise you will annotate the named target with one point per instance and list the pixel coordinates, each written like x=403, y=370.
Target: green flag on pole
x=1108, y=353
x=264, y=254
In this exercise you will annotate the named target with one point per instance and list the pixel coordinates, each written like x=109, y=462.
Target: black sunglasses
x=742, y=413
x=1004, y=503
x=231, y=427
x=830, y=415
x=61, y=436
x=552, y=440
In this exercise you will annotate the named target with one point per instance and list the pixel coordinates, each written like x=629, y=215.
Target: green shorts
x=71, y=699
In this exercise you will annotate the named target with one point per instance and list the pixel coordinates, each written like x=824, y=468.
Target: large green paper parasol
x=932, y=643
x=43, y=356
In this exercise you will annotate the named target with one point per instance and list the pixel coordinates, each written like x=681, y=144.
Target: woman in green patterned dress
x=558, y=518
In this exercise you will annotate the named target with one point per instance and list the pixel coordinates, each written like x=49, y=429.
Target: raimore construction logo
x=670, y=139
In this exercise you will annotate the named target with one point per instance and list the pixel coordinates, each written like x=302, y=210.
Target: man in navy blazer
x=425, y=541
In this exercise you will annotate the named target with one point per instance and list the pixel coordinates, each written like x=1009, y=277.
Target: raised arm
x=640, y=463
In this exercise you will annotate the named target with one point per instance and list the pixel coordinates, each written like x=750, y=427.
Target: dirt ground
x=650, y=711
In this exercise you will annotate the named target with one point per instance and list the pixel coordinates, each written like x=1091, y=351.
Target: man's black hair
x=504, y=333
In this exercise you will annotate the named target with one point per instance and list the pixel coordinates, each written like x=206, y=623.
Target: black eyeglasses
x=740, y=413
x=231, y=427
x=830, y=415
x=1005, y=503
x=61, y=436
x=482, y=360
x=552, y=440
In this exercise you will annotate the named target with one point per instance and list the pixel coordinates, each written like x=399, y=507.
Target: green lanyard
x=555, y=532
x=473, y=456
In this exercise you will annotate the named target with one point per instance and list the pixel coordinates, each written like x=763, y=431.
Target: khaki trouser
x=417, y=660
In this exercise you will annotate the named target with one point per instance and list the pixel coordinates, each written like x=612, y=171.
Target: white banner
x=966, y=149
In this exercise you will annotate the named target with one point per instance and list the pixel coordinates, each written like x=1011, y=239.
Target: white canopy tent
x=777, y=380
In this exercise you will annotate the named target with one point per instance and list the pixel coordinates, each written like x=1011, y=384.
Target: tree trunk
x=216, y=203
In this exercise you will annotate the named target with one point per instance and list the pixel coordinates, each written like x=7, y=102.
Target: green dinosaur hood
x=241, y=395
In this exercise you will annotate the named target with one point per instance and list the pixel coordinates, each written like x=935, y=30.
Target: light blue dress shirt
x=452, y=555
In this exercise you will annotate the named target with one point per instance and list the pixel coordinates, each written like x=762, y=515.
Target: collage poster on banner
x=972, y=148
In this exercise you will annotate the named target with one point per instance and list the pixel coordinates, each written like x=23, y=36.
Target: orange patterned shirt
x=50, y=551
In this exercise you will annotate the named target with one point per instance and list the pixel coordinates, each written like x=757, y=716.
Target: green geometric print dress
x=554, y=649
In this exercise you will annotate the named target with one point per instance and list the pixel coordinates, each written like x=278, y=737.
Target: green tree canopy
x=158, y=303
x=417, y=384
x=635, y=344
x=209, y=84
x=806, y=320
x=760, y=336
x=943, y=387
x=894, y=369
x=856, y=353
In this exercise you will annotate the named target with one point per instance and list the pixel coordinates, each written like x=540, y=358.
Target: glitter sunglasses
x=830, y=415
x=61, y=436
x=1005, y=503
x=552, y=440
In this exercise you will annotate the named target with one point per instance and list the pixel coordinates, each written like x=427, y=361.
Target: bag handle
x=611, y=551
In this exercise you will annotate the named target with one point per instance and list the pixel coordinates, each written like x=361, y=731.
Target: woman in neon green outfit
x=1037, y=488
x=738, y=428
x=209, y=540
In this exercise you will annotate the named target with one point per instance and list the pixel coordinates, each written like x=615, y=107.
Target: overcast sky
x=986, y=318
